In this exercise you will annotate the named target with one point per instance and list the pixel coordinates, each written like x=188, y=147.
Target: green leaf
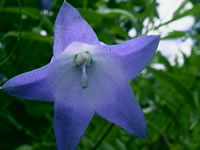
x=31, y=12
x=24, y=147
x=195, y=117
x=30, y=36
x=192, y=11
x=174, y=35
x=162, y=59
x=171, y=81
x=91, y=16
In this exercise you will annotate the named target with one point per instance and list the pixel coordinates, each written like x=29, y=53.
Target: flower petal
x=70, y=27
x=30, y=85
x=136, y=53
x=120, y=107
x=71, y=119
x=112, y=96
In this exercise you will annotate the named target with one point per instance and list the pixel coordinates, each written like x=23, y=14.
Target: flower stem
x=103, y=137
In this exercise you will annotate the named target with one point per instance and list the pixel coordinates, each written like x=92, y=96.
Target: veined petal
x=71, y=119
x=136, y=53
x=30, y=85
x=70, y=27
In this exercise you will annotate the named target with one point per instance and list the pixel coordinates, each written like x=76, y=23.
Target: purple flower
x=45, y=4
x=85, y=77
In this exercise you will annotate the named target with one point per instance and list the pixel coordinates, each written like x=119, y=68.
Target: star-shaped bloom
x=85, y=77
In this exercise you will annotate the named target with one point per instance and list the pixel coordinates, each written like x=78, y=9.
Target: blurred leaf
x=121, y=145
x=169, y=79
x=31, y=12
x=24, y=147
x=162, y=59
x=119, y=12
x=92, y=16
x=192, y=11
x=30, y=36
x=179, y=9
x=174, y=35
x=106, y=146
x=195, y=117
x=39, y=109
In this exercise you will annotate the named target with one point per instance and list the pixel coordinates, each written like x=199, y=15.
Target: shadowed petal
x=136, y=53
x=30, y=85
x=70, y=27
x=120, y=107
x=71, y=119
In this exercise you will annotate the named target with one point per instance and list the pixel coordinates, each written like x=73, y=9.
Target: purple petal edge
x=30, y=85
x=123, y=110
x=136, y=53
x=70, y=27
x=71, y=119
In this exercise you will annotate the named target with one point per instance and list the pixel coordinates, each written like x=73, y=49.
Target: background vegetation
x=169, y=95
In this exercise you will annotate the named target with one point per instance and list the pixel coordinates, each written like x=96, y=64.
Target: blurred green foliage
x=169, y=97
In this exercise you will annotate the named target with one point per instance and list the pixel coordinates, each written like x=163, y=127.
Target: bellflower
x=45, y=4
x=86, y=77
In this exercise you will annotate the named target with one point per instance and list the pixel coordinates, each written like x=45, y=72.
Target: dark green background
x=169, y=98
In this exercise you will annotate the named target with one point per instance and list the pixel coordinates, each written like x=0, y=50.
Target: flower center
x=83, y=60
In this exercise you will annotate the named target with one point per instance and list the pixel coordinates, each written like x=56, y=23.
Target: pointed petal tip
x=30, y=85
x=3, y=86
x=141, y=132
x=6, y=85
x=140, y=127
x=66, y=3
x=136, y=53
x=157, y=37
x=154, y=37
x=68, y=22
x=154, y=40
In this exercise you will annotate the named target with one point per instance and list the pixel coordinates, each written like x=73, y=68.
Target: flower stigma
x=83, y=60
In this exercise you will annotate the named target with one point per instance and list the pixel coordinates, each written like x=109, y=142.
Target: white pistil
x=83, y=60
x=84, y=78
